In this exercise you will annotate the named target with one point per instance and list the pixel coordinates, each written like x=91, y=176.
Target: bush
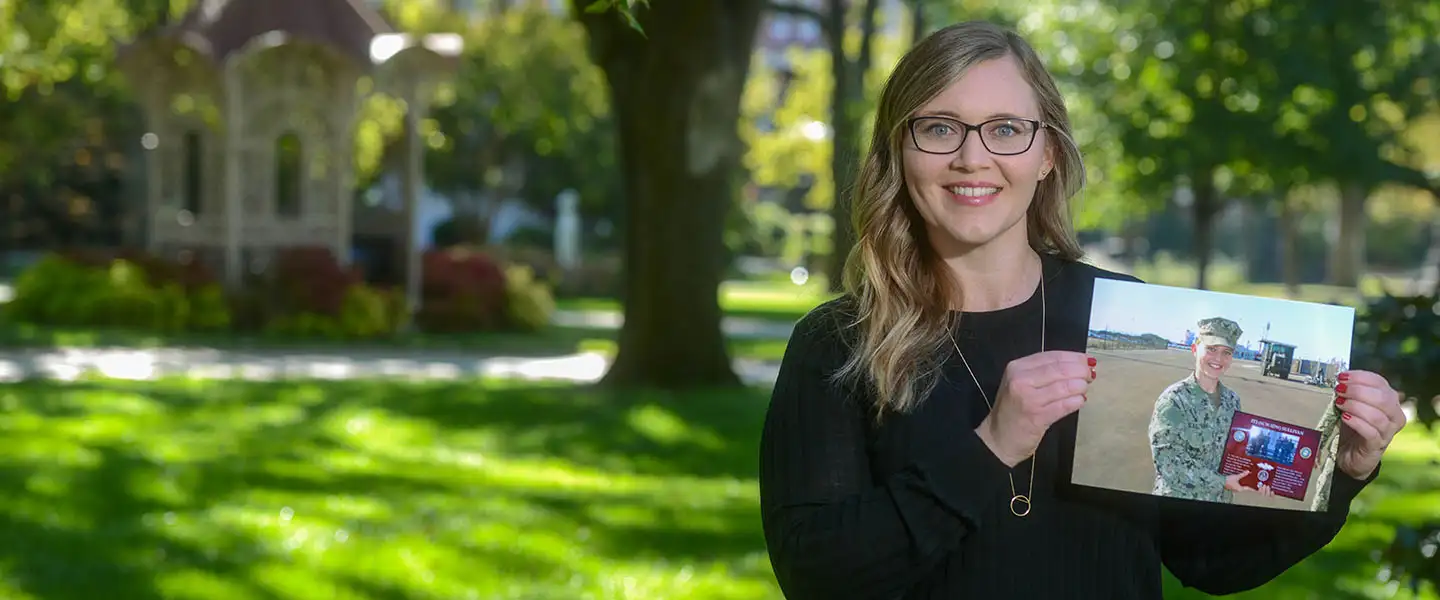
x=308, y=293
x=125, y=289
x=530, y=302
x=305, y=293
x=467, y=290
x=1400, y=337
x=462, y=290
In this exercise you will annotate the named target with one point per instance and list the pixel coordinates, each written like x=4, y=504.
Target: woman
x=885, y=471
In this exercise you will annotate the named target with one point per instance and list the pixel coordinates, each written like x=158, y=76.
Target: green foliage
x=140, y=293
x=468, y=290
x=1411, y=559
x=1400, y=338
x=790, y=143
x=769, y=230
x=527, y=94
x=529, y=303
x=625, y=8
x=71, y=291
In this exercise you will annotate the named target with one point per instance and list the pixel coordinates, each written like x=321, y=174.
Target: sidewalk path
x=146, y=364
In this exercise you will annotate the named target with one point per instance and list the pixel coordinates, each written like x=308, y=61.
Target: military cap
x=1218, y=331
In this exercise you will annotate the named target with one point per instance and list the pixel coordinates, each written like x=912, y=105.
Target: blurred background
x=483, y=298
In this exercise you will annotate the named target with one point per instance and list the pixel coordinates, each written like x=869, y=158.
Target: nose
x=972, y=155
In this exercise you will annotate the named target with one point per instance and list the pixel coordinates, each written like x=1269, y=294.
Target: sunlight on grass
x=180, y=489
x=374, y=489
x=756, y=299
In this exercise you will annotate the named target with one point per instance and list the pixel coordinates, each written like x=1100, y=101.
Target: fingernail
x=1339, y=400
x=1345, y=416
x=1343, y=376
x=1340, y=388
x=1092, y=361
x=1092, y=373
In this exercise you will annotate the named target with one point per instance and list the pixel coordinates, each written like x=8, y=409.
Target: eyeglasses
x=1005, y=136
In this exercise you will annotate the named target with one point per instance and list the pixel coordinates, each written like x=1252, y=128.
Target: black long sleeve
x=831, y=531
x=916, y=507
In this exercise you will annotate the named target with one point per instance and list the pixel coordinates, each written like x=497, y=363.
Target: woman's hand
x=1371, y=413
x=1035, y=392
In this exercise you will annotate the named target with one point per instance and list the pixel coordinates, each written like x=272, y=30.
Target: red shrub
x=187, y=271
x=461, y=291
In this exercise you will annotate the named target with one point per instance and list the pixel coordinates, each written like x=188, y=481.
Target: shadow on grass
x=374, y=489
x=386, y=489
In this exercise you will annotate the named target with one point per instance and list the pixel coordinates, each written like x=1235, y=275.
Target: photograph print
x=1212, y=396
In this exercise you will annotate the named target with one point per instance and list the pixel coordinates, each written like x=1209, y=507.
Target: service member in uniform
x=1191, y=421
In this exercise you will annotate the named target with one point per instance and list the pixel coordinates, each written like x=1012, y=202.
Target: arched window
x=288, y=179
x=194, y=174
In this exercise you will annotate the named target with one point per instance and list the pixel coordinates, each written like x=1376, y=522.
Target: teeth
x=973, y=191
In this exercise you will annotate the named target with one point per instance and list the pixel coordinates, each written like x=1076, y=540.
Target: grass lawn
x=379, y=489
x=777, y=300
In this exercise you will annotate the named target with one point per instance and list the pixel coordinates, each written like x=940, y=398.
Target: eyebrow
x=998, y=115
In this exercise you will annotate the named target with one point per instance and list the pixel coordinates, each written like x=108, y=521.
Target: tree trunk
x=846, y=96
x=1347, y=258
x=918, y=25
x=1289, y=253
x=1430, y=272
x=1206, y=206
x=676, y=94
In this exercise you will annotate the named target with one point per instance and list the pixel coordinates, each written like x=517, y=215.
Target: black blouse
x=918, y=507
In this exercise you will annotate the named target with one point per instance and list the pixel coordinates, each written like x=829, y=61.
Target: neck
x=1208, y=384
x=996, y=276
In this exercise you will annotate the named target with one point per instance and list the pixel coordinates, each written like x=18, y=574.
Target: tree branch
x=786, y=8
x=1413, y=177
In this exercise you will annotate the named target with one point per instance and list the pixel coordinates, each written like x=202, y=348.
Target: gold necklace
x=1015, y=497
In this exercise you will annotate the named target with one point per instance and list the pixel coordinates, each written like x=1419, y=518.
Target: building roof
x=220, y=28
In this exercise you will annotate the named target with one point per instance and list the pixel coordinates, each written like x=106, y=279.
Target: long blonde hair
x=901, y=289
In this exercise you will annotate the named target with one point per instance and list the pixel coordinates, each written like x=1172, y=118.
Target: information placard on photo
x=1212, y=396
x=1268, y=453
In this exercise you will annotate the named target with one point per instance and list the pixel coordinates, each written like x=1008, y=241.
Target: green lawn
x=381, y=489
x=776, y=300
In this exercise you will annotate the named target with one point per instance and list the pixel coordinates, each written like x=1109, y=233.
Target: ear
x=1048, y=164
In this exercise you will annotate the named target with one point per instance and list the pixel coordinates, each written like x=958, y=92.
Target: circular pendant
x=1024, y=502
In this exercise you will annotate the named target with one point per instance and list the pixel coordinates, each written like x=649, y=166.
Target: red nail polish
x=1092, y=361
x=1345, y=416
x=1339, y=400
x=1340, y=388
x=1092, y=373
x=1343, y=376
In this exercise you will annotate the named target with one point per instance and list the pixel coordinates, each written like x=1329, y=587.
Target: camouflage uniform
x=1329, y=427
x=1189, y=427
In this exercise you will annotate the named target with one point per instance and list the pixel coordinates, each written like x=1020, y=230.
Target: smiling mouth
x=1215, y=366
x=973, y=194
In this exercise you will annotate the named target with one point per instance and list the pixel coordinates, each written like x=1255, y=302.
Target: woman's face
x=973, y=196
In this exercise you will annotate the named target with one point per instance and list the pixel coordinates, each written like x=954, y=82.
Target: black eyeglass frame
x=967, y=128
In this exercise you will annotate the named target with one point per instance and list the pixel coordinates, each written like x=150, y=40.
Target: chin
x=976, y=233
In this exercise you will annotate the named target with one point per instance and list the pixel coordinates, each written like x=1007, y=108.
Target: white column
x=411, y=177
x=343, y=146
x=234, y=211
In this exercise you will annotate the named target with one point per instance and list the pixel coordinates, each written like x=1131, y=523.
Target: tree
x=528, y=94
x=676, y=75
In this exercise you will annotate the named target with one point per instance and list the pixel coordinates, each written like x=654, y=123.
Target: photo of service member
x=1190, y=374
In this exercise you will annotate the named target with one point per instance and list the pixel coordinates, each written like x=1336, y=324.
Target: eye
x=939, y=129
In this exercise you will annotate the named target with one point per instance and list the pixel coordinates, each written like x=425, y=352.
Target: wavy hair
x=902, y=290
